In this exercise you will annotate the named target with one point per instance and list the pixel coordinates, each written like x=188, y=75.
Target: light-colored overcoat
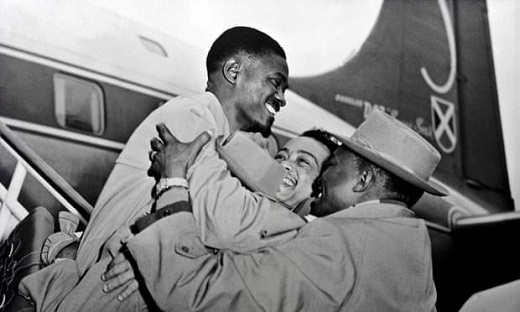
x=370, y=257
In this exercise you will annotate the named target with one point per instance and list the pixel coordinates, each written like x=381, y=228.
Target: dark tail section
x=429, y=63
x=483, y=156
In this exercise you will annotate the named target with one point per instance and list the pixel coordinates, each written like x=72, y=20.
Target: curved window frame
x=79, y=104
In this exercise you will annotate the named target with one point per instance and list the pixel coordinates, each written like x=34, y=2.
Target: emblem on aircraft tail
x=444, y=124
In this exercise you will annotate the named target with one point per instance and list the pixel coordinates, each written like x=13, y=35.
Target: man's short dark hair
x=241, y=39
x=394, y=187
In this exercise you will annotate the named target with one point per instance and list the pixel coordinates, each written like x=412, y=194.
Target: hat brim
x=393, y=166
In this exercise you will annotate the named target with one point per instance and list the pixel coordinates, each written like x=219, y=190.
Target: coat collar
x=217, y=111
x=376, y=209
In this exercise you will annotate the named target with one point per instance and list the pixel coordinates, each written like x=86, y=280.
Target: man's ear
x=230, y=70
x=365, y=178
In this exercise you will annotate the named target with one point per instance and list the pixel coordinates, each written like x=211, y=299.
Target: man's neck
x=366, y=202
x=227, y=105
x=367, y=197
x=231, y=115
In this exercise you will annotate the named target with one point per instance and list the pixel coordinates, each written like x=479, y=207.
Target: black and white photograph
x=297, y=155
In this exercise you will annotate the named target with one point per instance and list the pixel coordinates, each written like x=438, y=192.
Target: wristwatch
x=165, y=184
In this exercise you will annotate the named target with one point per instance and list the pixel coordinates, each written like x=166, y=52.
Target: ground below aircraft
x=73, y=87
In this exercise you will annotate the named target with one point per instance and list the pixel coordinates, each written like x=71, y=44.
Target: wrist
x=174, y=173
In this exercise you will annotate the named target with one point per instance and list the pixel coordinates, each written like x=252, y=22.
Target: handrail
x=29, y=161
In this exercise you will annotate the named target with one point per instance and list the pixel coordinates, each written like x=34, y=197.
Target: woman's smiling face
x=302, y=158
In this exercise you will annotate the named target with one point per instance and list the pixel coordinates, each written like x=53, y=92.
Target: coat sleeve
x=230, y=216
x=180, y=274
x=310, y=272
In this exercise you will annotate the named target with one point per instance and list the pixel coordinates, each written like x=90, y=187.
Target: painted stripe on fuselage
x=63, y=134
x=46, y=61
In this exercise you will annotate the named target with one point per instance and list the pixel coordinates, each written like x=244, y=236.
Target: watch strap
x=165, y=184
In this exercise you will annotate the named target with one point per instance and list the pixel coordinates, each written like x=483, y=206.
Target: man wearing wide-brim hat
x=367, y=252
x=383, y=160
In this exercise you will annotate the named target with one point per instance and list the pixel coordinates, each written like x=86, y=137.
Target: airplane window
x=79, y=104
x=153, y=46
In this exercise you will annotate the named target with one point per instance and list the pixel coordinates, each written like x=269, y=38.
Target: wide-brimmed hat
x=393, y=146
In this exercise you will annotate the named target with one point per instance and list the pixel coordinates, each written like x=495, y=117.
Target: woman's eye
x=279, y=157
x=276, y=83
x=304, y=161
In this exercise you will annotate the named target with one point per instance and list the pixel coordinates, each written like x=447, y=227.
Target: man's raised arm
x=228, y=215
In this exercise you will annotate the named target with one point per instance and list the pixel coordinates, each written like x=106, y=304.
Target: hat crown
x=391, y=139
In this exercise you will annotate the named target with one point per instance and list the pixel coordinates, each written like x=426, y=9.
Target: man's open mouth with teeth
x=272, y=108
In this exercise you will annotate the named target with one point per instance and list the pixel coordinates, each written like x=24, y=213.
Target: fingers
x=125, y=283
x=120, y=276
x=155, y=170
x=170, y=157
x=117, y=279
x=128, y=291
x=200, y=141
x=165, y=134
x=151, y=155
x=118, y=258
x=196, y=145
x=156, y=144
x=118, y=266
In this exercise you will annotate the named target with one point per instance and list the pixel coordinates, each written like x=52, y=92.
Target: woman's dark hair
x=323, y=137
x=241, y=39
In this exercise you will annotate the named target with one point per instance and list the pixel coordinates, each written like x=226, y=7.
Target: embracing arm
x=228, y=215
x=310, y=272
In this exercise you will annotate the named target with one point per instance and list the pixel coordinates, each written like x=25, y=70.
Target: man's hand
x=172, y=158
x=120, y=275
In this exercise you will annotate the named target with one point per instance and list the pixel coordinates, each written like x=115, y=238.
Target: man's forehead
x=342, y=150
x=273, y=63
x=343, y=153
x=281, y=64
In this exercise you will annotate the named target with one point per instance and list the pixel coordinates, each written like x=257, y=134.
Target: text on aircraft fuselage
x=442, y=128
